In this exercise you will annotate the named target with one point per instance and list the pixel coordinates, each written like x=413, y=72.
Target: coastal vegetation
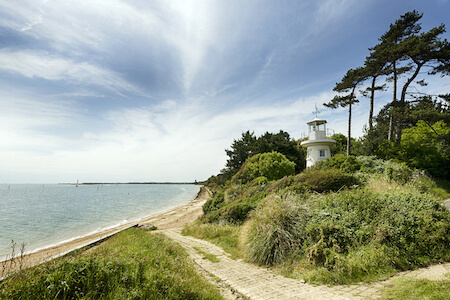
x=348, y=219
x=130, y=265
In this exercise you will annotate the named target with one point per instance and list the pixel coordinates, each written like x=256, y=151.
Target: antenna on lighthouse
x=316, y=111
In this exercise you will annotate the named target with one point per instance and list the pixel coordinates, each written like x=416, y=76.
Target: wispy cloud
x=51, y=67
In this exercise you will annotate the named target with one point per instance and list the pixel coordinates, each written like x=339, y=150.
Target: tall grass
x=225, y=236
x=274, y=231
x=130, y=265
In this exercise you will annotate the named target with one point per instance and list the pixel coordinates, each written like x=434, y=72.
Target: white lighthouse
x=318, y=146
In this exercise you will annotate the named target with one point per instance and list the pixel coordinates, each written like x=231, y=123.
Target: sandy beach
x=175, y=217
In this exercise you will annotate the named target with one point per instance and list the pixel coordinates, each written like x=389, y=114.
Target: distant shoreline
x=117, y=183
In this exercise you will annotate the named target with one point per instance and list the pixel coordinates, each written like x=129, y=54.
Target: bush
x=214, y=203
x=272, y=165
x=346, y=163
x=359, y=235
x=275, y=231
x=415, y=227
x=397, y=171
x=327, y=180
x=370, y=164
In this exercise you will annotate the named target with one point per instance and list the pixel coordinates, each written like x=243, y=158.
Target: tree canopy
x=249, y=145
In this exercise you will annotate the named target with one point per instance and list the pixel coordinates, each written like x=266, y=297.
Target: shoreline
x=174, y=217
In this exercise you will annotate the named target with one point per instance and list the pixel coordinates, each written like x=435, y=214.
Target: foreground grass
x=130, y=265
x=225, y=236
x=409, y=288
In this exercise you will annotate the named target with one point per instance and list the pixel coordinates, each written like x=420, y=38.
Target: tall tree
x=424, y=49
x=391, y=51
x=240, y=150
x=374, y=67
x=347, y=85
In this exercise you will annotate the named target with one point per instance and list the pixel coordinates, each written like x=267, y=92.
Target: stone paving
x=260, y=283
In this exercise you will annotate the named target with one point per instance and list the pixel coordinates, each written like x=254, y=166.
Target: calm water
x=45, y=215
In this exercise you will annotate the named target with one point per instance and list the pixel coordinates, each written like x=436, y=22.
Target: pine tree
x=348, y=85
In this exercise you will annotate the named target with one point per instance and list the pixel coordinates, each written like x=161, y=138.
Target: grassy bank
x=347, y=220
x=130, y=265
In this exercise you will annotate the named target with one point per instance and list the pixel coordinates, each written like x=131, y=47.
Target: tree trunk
x=394, y=99
x=349, y=128
x=403, y=101
x=372, y=97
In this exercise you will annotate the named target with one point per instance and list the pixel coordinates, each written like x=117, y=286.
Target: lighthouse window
x=322, y=153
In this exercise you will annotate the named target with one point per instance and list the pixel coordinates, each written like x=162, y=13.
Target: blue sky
x=115, y=90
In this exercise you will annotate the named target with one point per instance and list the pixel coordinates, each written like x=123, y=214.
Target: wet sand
x=175, y=217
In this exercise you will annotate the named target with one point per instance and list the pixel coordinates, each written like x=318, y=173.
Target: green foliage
x=274, y=231
x=340, y=161
x=424, y=147
x=340, y=147
x=414, y=227
x=233, y=204
x=248, y=145
x=371, y=164
x=271, y=165
x=131, y=265
x=241, y=150
x=397, y=171
x=214, y=203
x=327, y=180
x=349, y=236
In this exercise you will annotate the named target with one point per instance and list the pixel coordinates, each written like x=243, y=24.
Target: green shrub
x=327, y=180
x=415, y=227
x=274, y=231
x=366, y=263
x=397, y=171
x=340, y=161
x=272, y=165
x=359, y=235
x=259, y=181
x=370, y=164
x=214, y=203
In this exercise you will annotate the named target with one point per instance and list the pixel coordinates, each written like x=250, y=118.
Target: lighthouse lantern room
x=317, y=145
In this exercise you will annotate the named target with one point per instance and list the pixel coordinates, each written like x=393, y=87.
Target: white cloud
x=170, y=141
x=51, y=67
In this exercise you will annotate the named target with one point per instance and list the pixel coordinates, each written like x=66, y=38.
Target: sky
x=156, y=90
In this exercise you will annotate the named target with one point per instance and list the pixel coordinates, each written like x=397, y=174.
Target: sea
x=44, y=215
